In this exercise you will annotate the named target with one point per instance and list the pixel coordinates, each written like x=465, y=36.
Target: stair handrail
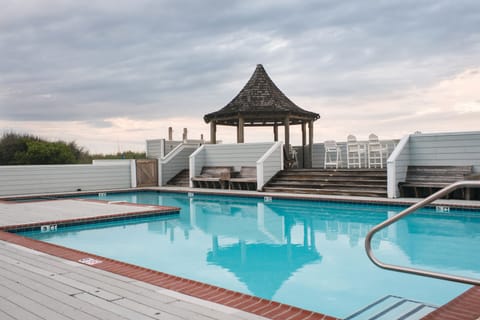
x=409, y=210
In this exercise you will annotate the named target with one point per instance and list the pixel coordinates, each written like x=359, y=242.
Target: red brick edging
x=465, y=307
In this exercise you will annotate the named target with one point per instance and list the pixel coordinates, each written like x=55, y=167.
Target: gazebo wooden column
x=213, y=132
x=287, y=136
x=275, y=132
x=240, y=130
x=304, y=143
x=310, y=144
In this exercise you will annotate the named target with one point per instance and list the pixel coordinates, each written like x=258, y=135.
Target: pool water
x=305, y=253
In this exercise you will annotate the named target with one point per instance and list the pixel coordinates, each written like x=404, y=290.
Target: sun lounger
x=213, y=177
x=245, y=180
x=421, y=181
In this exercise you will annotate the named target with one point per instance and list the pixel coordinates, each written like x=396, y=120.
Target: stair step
x=352, y=192
x=351, y=182
x=337, y=171
x=293, y=184
x=181, y=179
x=332, y=179
x=393, y=307
x=332, y=176
x=346, y=181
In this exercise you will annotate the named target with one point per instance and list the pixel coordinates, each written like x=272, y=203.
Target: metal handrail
x=409, y=210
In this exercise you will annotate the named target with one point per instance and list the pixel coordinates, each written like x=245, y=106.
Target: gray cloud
x=148, y=59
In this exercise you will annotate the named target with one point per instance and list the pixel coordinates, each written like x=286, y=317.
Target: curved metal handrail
x=409, y=210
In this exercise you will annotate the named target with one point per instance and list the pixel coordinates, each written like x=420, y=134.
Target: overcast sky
x=112, y=74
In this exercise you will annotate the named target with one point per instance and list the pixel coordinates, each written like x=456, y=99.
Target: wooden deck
x=35, y=285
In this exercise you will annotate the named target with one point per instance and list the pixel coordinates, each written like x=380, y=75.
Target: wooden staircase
x=181, y=179
x=349, y=182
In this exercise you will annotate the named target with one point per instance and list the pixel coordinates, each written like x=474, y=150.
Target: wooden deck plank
x=70, y=283
x=87, y=309
x=162, y=303
x=40, y=264
x=196, y=310
x=112, y=307
x=146, y=310
x=27, y=303
x=95, y=291
x=15, y=311
x=53, y=290
x=5, y=316
x=232, y=312
x=44, y=299
x=107, y=277
x=19, y=273
x=123, y=289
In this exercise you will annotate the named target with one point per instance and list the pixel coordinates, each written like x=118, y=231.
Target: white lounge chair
x=354, y=152
x=375, y=152
x=332, y=154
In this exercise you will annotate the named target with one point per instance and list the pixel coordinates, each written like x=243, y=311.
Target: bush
x=17, y=149
x=27, y=149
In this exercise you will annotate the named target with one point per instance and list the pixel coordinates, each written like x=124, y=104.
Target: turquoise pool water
x=305, y=253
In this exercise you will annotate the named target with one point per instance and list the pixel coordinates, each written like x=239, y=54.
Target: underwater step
x=391, y=308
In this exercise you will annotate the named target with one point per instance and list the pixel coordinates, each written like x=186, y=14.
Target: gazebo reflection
x=254, y=243
x=262, y=267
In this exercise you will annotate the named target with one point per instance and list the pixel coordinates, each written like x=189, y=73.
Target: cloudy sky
x=111, y=74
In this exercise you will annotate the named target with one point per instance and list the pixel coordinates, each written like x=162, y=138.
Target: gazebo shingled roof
x=261, y=103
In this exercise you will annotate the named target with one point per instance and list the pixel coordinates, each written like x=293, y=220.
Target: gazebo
x=260, y=103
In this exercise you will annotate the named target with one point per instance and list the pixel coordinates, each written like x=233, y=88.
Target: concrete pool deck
x=36, y=284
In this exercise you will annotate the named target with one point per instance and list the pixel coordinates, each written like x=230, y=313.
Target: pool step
x=393, y=308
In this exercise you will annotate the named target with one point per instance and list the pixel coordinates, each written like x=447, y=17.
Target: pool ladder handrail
x=409, y=210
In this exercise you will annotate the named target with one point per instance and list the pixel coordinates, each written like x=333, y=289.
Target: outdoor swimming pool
x=305, y=253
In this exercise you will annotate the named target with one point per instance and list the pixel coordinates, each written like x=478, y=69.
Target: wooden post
x=185, y=135
x=310, y=144
x=287, y=136
x=240, y=130
x=213, y=132
x=275, y=132
x=304, y=142
x=170, y=133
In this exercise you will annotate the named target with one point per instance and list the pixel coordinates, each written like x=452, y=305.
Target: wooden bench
x=246, y=179
x=422, y=181
x=213, y=177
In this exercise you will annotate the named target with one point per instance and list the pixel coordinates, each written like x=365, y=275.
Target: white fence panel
x=36, y=179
